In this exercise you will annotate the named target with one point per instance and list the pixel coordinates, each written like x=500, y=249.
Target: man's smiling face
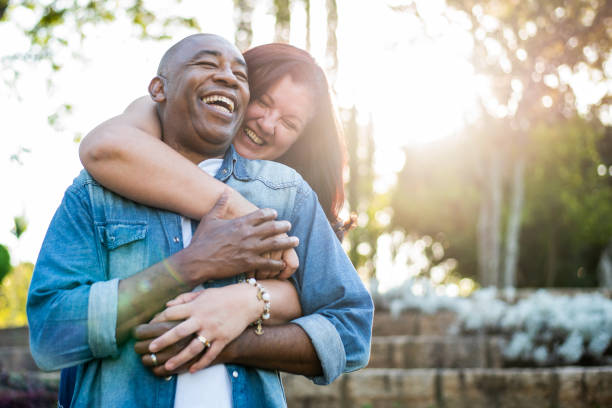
x=205, y=95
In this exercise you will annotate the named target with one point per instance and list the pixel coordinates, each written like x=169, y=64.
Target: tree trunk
x=551, y=260
x=604, y=268
x=489, y=225
x=307, y=7
x=496, y=202
x=3, y=7
x=243, y=16
x=283, y=21
x=514, y=224
x=331, y=52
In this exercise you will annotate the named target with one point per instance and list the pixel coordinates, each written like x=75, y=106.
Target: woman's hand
x=217, y=314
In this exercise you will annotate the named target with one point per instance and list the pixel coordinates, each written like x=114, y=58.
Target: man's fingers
x=277, y=243
x=150, y=331
x=263, y=264
x=257, y=217
x=142, y=347
x=270, y=228
x=184, y=329
x=194, y=348
x=208, y=357
x=261, y=275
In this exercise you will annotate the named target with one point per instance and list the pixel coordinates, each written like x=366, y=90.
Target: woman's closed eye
x=289, y=124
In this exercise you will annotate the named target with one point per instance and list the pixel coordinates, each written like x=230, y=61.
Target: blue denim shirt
x=97, y=238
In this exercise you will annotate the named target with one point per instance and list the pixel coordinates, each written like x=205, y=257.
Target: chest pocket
x=126, y=246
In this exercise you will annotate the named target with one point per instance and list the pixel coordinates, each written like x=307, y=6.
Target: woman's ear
x=157, y=90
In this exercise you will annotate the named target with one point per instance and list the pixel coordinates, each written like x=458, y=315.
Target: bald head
x=176, y=55
x=201, y=90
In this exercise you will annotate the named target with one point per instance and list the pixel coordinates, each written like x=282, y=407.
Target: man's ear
x=157, y=89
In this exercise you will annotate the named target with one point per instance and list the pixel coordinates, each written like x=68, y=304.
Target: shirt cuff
x=102, y=318
x=327, y=344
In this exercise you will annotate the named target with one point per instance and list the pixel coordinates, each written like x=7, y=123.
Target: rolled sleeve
x=330, y=291
x=327, y=344
x=102, y=321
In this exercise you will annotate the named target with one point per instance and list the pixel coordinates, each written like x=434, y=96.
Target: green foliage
x=5, y=262
x=13, y=296
x=52, y=17
x=438, y=194
x=21, y=225
x=568, y=211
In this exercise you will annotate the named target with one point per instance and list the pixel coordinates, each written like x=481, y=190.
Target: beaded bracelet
x=264, y=296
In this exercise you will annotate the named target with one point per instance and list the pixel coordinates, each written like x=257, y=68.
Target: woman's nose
x=267, y=122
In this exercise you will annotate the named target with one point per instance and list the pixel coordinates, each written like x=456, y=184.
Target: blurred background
x=479, y=139
x=478, y=131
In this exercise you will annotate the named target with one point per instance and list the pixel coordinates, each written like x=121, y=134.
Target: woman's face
x=275, y=120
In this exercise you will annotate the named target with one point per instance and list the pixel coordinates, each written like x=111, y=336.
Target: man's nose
x=225, y=75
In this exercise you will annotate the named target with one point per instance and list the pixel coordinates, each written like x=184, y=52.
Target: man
x=93, y=284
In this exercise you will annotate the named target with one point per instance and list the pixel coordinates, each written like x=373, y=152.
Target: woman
x=290, y=119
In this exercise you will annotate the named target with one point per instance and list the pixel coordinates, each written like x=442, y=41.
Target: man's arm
x=334, y=335
x=284, y=347
x=76, y=314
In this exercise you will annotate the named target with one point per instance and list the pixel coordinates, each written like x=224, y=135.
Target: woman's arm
x=126, y=155
x=218, y=314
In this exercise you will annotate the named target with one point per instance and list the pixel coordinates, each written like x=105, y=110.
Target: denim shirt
x=97, y=238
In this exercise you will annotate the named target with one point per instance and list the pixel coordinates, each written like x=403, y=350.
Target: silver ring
x=154, y=359
x=204, y=341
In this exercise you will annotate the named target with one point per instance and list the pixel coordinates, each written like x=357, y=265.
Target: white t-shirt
x=210, y=387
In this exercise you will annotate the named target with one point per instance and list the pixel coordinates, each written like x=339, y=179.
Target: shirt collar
x=233, y=164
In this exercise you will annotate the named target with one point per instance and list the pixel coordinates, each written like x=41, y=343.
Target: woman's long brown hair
x=319, y=153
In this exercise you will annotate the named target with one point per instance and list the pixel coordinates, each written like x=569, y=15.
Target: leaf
x=21, y=225
x=5, y=262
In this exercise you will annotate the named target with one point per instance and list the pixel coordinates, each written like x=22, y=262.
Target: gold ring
x=204, y=341
x=154, y=359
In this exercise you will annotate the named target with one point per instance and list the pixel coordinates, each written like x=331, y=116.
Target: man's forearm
x=285, y=348
x=146, y=293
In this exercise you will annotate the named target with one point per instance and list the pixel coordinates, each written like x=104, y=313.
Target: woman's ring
x=204, y=341
x=154, y=359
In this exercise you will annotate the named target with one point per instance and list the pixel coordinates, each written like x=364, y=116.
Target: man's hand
x=222, y=248
x=145, y=334
x=289, y=257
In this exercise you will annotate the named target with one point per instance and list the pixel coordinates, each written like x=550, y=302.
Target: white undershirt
x=210, y=387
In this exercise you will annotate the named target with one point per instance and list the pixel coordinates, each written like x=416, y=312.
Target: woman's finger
x=184, y=329
x=183, y=298
x=194, y=348
x=208, y=357
x=150, y=331
x=178, y=312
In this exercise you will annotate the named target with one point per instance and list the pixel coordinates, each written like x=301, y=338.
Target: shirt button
x=235, y=374
x=225, y=172
x=176, y=239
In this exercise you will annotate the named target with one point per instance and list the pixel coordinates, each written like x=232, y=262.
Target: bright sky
x=414, y=89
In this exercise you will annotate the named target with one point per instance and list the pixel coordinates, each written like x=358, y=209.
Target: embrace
x=184, y=269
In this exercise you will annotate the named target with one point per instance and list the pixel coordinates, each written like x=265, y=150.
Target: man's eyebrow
x=215, y=53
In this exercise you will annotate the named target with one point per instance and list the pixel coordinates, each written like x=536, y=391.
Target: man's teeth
x=221, y=103
x=256, y=139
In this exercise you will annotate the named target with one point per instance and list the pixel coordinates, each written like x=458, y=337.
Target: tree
x=5, y=262
x=529, y=50
x=46, y=33
x=243, y=16
x=283, y=20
